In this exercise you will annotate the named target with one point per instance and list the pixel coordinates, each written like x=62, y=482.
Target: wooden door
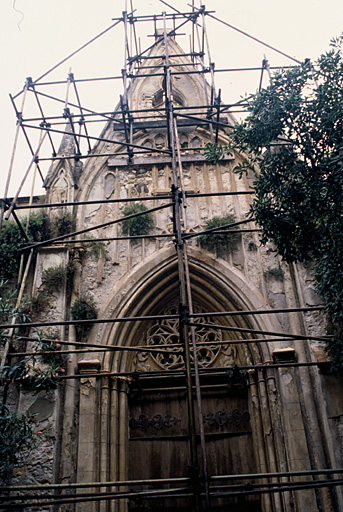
x=159, y=446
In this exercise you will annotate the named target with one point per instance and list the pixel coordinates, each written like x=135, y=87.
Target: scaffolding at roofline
x=199, y=488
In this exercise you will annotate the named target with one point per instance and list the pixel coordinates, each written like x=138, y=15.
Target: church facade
x=126, y=418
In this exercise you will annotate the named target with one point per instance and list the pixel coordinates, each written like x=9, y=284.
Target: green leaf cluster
x=8, y=308
x=293, y=138
x=16, y=434
x=140, y=225
x=84, y=308
x=213, y=241
x=214, y=152
x=25, y=370
x=48, y=348
x=7, y=302
x=11, y=239
x=54, y=277
x=31, y=376
x=40, y=228
x=96, y=248
x=62, y=224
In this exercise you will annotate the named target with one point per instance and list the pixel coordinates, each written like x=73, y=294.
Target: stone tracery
x=166, y=332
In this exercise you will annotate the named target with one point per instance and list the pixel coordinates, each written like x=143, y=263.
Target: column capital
x=89, y=366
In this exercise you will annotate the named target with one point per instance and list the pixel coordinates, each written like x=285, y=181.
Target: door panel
x=159, y=446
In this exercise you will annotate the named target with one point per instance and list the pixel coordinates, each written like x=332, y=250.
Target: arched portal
x=215, y=284
x=145, y=411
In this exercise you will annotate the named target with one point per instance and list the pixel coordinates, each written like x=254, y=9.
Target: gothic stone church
x=126, y=418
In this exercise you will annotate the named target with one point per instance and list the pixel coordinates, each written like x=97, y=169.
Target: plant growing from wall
x=96, y=248
x=275, y=272
x=39, y=301
x=53, y=278
x=48, y=348
x=25, y=370
x=220, y=241
x=62, y=224
x=84, y=308
x=36, y=371
x=141, y=225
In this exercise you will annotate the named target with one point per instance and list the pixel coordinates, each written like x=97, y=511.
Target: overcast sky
x=36, y=34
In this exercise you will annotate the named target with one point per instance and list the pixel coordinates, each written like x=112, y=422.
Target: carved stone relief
x=60, y=188
x=166, y=332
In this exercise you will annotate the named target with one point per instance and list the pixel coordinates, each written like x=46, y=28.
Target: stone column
x=123, y=437
x=87, y=462
x=114, y=440
x=119, y=439
x=268, y=434
x=68, y=450
x=258, y=437
x=104, y=439
x=274, y=407
x=294, y=435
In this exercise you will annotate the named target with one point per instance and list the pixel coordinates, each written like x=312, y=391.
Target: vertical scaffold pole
x=9, y=175
x=185, y=293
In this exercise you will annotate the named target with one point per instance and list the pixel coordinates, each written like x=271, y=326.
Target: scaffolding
x=200, y=488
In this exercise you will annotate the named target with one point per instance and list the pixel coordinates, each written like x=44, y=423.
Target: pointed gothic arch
x=215, y=284
x=218, y=287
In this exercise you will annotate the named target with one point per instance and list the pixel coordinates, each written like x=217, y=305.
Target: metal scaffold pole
x=184, y=305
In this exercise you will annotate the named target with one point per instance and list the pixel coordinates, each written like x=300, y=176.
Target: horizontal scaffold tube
x=176, y=317
x=159, y=481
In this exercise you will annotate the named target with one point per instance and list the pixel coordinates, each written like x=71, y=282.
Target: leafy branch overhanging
x=293, y=139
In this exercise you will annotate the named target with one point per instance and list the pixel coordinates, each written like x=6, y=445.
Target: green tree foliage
x=293, y=138
x=11, y=239
x=214, y=152
x=40, y=228
x=16, y=434
x=7, y=305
